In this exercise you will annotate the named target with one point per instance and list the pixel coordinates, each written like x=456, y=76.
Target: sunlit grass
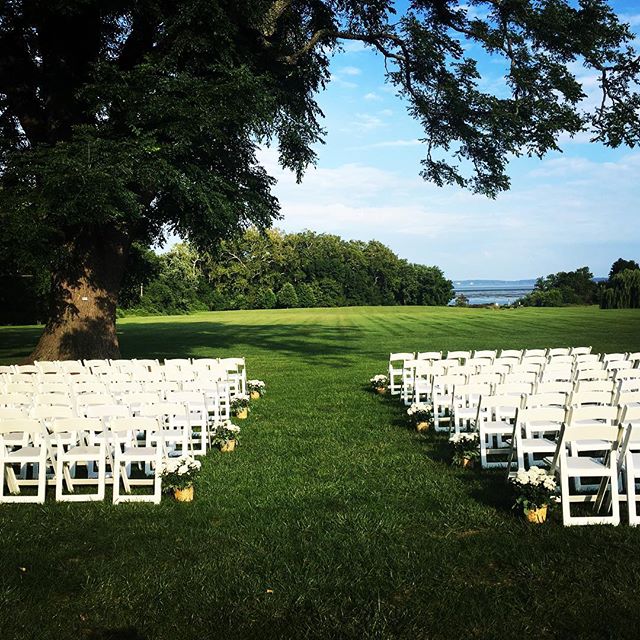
x=332, y=519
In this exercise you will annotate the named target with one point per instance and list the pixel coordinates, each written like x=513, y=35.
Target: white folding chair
x=494, y=421
x=464, y=405
x=535, y=434
x=428, y=355
x=630, y=454
x=23, y=443
x=174, y=423
x=460, y=356
x=569, y=465
x=77, y=441
x=396, y=365
x=133, y=454
x=580, y=351
x=198, y=420
x=558, y=352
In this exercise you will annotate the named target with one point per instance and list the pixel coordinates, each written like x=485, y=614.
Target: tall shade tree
x=122, y=119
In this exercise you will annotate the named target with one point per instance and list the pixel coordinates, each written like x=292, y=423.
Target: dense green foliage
x=265, y=270
x=332, y=519
x=121, y=119
x=622, y=290
x=562, y=288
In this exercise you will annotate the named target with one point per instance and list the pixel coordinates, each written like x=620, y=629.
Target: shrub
x=287, y=296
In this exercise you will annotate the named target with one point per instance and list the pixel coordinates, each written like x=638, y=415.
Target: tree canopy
x=122, y=119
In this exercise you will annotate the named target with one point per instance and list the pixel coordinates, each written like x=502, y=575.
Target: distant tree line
x=256, y=270
x=272, y=269
x=621, y=290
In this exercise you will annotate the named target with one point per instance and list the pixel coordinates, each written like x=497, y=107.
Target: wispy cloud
x=372, y=97
x=350, y=71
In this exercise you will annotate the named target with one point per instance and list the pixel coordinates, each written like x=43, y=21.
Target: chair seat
x=496, y=427
x=139, y=453
x=24, y=454
x=541, y=445
x=81, y=453
x=577, y=465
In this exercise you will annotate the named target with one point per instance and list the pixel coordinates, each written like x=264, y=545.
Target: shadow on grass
x=336, y=346
x=127, y=633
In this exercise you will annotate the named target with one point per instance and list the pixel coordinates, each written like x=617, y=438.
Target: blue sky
x=570, y=209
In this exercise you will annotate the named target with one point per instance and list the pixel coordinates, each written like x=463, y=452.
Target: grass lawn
x=333, y=519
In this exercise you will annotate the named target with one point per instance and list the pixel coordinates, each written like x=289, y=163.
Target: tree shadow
x=157, y=340
x=124, y=633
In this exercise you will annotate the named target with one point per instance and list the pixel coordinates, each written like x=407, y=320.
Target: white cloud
x=345, y=84
x=372, y=97
x=366, y=122
x=350, y=71
x=561, y=214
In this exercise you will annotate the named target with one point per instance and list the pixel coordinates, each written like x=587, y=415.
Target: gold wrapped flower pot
x=184, y=495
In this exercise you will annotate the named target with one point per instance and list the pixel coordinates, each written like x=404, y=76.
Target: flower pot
x=255, y=395
x=468, y=463
x=422, y=426
x=184, y=495
x=228, y=446
x=381, y=390
x=242, y=414
x=537, y=516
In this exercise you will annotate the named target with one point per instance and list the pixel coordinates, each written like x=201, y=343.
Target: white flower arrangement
x=239, y=402
x=224, y=433
x=535, y=488
x=465, y=446
x=379, y=381
x=178, y=473
x=256, y=386
x=420, y=412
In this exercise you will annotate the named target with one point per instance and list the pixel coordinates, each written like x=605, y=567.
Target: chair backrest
x=83, y=388
x=534, y=359
x=54, y=387
x=21, y=387
x=92, y=400
x=577, y=432
x=634, y=356
x=52, y=399
x=47, y=367
x=511, y=353
x=26, y=369
x=16, y=400
x=429, y=355
x=191, y=398
x=535, y=353
x=619, y=365
x=558, y=351
x=592, y=414
x=580, y=367
x=9, y=413
x=444, y=384
x=486, y=378
x=148, y=363
x=627, y=397
x=513, y=388
x=590, y=398
x=613, y=357
x=580, y=351
x=394, y=358
x=31, y=429
x=498, y=407
x=547, y=399
x=595, y=385
x=586, y=357
x=465, y=395
x=627, y=374
x=165, y=410
x=107, y=411
x=553, y=374
x=458, y=355
x=51, y=412
x=508, y=361
x=72, y=367
x=591, y=374
x=64, y=427
x=547, y=418
x=142, y=398
x=527, y=367
x=630, y=413
x=530, y=378
x=560, y=359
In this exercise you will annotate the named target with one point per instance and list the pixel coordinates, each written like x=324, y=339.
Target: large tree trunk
x=84, y=296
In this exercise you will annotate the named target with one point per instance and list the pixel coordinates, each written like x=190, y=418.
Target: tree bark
x=84, y=296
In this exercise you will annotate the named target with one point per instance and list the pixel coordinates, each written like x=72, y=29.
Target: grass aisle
x=332, y=519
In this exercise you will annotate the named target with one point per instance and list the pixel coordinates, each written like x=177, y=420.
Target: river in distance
x=499, y=292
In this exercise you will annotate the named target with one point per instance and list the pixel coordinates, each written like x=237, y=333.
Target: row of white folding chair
x=80, y=441
x=216, y=405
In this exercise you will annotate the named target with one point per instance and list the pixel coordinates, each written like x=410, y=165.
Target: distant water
x=492, y=291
